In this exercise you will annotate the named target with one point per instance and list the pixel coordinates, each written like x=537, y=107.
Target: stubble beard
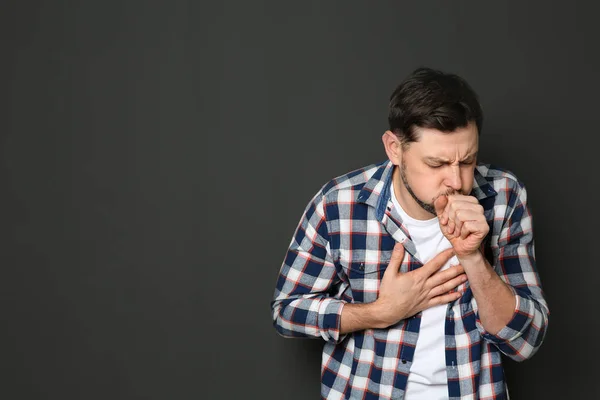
x=429, y=207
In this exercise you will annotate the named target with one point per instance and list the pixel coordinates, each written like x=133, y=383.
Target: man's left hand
x=462, y=222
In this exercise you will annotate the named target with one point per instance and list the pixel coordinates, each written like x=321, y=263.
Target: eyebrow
x=446, y=161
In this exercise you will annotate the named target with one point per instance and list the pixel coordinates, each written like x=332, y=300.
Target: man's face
x=437, y=164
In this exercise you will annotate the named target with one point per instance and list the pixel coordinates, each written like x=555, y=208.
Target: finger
x=465, y=230
x=450, y=226
x=459, y=214
x=460, y=217
x=440, y=205
x=458, y=225
x=443, y=219
x=457, y=204
x=448, y=285
x=470, y=227
x=433, y=265
x=462, y=197
x=466, y=214
x=444, y=276
x=444, y=229
x=444, y=299
x=470, y=199
x=396, y=259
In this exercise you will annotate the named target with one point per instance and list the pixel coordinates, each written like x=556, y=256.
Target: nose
x=454, y=180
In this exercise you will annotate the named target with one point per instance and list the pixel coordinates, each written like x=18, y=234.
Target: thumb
x=396, y=259
x=440, y=204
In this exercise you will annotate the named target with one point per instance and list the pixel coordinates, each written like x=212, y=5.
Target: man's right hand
x=402, y=295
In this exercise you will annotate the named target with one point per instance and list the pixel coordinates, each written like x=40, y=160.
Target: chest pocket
x=365, y=279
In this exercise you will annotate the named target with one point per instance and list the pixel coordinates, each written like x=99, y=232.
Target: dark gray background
x=156, y=157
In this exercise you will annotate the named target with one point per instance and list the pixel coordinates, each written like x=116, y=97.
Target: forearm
x=511, y=310
x=515, y=317
x=357, y=317
x=495, y=300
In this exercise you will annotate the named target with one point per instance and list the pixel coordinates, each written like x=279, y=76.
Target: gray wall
x=156, y=157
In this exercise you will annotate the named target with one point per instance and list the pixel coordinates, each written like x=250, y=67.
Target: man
x=418, y=272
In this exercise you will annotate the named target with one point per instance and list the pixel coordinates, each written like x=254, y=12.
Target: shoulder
x=500, y=178
x=354, y=180
x=508, y=191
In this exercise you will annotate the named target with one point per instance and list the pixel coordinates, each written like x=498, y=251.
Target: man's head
x=435, y=120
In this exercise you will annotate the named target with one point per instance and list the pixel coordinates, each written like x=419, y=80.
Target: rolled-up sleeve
x=306, y=302
x=515, y=264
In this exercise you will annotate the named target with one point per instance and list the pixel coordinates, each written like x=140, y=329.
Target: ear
x=392, y=146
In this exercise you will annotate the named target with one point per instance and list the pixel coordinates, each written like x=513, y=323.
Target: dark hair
x=429, y=98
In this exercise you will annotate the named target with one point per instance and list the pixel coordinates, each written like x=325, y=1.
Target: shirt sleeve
x=515, y=264
x=306, y=302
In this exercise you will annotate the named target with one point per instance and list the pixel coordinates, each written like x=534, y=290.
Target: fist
x=462, y=222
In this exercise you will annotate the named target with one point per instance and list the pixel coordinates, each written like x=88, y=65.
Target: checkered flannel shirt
x=338, y=255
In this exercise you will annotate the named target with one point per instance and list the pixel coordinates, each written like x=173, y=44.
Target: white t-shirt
x=427, y=379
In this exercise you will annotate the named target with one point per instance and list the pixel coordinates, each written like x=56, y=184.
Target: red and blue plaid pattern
x=338, y=255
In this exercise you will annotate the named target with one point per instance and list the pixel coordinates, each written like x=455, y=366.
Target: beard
x=429, y=207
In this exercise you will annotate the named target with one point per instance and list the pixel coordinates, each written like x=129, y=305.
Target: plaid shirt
x=338, y=255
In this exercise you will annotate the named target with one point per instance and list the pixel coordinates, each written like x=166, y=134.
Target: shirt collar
x=376, y=192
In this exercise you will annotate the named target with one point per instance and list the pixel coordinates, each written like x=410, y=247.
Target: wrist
x=467, y=260
x=380, y=311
